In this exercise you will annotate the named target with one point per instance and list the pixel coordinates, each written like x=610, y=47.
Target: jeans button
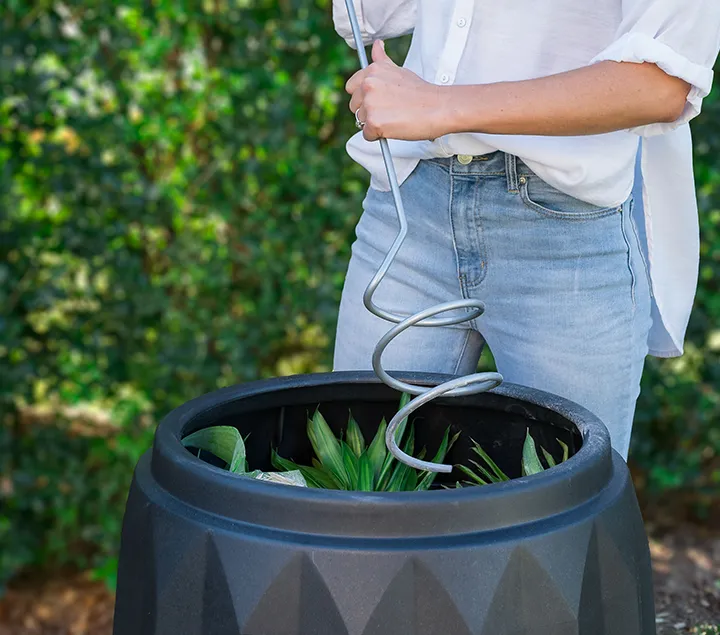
x=464, y=159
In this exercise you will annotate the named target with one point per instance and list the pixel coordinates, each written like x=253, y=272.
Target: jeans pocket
x=544, y=199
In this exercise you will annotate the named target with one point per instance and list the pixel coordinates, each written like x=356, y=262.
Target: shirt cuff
x=342, y=23
x=639, y=48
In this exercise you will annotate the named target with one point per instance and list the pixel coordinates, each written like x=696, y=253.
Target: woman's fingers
x=369, y=131
x=380, y=57
x=368, y=128
x=355, y=81
x=363, y=84
x=357, y=100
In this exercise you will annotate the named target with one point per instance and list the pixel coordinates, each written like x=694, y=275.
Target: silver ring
x=359, y=124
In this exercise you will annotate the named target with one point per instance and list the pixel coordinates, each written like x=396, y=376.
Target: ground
x=686, y=558
x=687, y=581
x=686, y=561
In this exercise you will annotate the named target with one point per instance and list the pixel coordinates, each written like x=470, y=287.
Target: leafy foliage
x=352, y=465
x=177, y=207
x=226, y=444
x=176, y=211
x=348, y=464
x=487, y=471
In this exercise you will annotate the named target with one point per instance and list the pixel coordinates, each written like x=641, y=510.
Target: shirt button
x=464, y=159
x=445, y=79
x=461, y=22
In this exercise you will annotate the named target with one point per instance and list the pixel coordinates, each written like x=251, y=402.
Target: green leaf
x=386, y=471
x=468, y=472
x=501, y=476
x=316, y=477
x=566, y=450
x=488, y=476
x=224, y=442
x=398, y=478
x=350, y=461
x=354, y=437
x=395, y=483
x=400, y=430
x=312, y=483
x=327, y=448
x=319, y=478
x=445, y=445
x=279, y=463
x=377, y=451
x=548, y=457
x=428, y=478
x=410, y=482
x=458, y=485
x=366, y=477
x=531, y=461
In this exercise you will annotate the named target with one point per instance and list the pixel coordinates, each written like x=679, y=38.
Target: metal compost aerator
x=472, y=309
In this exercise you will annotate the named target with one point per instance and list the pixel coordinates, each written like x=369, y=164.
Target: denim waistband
x=493, y=164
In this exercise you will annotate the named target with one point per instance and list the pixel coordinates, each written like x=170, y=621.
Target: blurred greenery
x=176, y=213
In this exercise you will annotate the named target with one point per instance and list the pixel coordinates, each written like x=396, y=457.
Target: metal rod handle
x=467, y=385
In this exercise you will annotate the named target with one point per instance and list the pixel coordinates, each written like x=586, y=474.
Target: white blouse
x=484, y=41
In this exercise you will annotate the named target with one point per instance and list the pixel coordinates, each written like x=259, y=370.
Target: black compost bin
x=208, y=552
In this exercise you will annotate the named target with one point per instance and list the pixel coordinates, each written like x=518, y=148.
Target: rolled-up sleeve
x=379, y=19
x=680, y=37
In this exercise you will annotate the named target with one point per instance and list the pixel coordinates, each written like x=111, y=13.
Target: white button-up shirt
x=485, y=41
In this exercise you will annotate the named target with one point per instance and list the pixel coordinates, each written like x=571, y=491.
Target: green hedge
x=176, y=214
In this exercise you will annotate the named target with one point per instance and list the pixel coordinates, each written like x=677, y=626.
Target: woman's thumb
x=378, y=52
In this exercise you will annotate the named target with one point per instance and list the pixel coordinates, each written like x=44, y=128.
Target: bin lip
x=198, y=484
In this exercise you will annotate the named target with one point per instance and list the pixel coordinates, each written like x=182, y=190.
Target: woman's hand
x=394, y=102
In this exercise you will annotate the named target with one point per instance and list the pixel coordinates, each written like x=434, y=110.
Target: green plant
x=226, y=443
x=347, y=464
x=488, y=471
x=350, y=464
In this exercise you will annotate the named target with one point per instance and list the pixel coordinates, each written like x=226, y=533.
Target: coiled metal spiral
x=467, y=385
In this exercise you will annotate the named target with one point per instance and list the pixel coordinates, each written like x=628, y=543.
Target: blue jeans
x=565, y=284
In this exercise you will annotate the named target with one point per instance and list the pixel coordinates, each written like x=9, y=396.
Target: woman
x=516, y=128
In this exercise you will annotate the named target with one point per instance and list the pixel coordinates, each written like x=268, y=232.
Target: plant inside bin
x=226, y=443
x=351, y=464
x=343, y=464
x=488, y=472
